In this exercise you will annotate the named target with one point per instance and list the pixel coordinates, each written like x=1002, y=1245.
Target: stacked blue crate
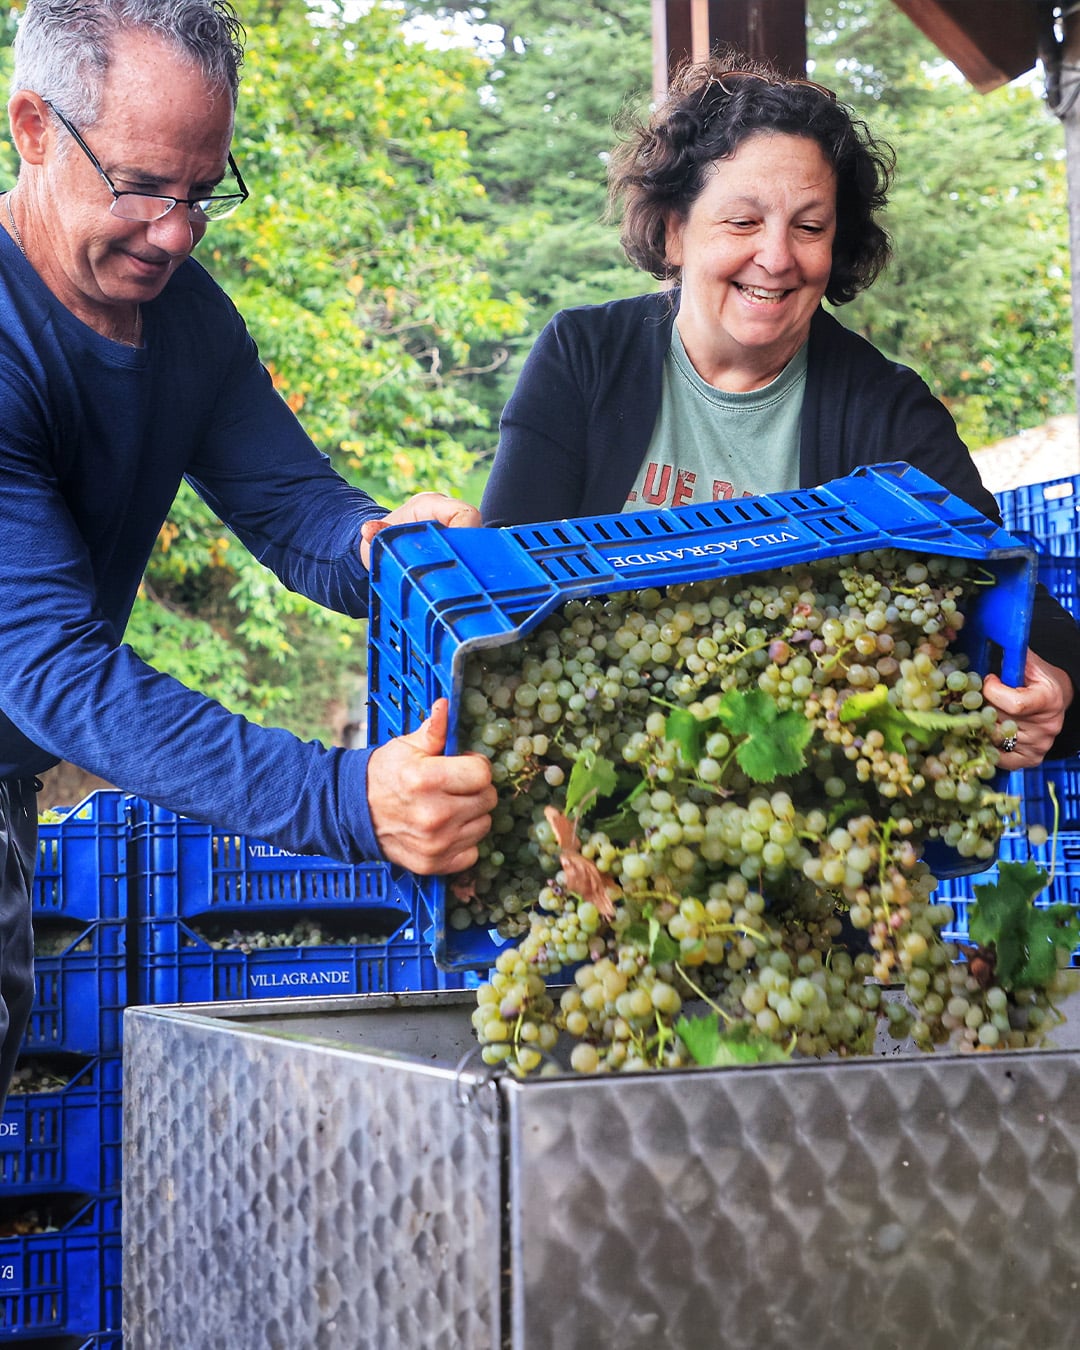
x=1051, y=793
x=1048, y=513
x=108, y=1340
x=60, y=1133
x=211, y=905
x=61, y=1130
x=121, y=891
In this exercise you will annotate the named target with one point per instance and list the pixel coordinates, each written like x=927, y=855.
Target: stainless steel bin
x=343, y=1173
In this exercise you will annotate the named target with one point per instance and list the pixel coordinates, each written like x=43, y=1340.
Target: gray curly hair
x=63, y=47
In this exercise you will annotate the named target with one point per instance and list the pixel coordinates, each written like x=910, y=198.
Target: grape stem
x=827, y=660
x=883, y=863
x=702, y=994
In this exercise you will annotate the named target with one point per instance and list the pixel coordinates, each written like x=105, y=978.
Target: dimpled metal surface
x=282, y=1196
x=928, y=1204
x=283, y=1193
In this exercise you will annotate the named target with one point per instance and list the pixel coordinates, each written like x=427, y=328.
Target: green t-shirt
x=709, y=445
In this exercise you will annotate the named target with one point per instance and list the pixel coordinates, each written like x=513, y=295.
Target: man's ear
x=31, y=126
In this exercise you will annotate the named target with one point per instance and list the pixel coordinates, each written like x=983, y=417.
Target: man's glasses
x=148, y=206
x=733, y=77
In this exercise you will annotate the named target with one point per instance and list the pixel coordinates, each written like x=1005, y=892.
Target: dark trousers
x=18, y=855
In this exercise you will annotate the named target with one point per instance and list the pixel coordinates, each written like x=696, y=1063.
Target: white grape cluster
x=303, y=933
x=39, y=1075
x=784, y=900
x=17, y=1219
x=55, y=939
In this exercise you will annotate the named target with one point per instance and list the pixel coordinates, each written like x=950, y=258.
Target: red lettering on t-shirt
x=653, y=495
x=656, y=488
x=722, y=492
x=684, y=487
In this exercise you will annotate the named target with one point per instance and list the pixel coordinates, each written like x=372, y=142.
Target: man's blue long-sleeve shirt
x=95, y=439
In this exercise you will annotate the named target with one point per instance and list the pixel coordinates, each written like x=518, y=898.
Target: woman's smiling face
x=755, y=253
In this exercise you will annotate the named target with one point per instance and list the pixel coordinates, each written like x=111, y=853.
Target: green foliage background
x=977, y=296
x=420, y=208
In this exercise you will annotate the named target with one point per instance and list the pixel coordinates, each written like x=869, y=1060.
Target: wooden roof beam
x=990, y=43
x=770, y=30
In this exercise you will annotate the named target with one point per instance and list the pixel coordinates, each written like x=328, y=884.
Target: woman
x=757, y=196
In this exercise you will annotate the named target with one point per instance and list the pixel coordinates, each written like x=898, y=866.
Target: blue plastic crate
x=69, y=1139
x=81, y=864
x=1048, y=512
x=1033, y=787
x=438, y=595
x=1059, y=574
x=176, y=965
x=105, y=1340
x=66, y=1282
x=80, y=994
x=1061, y=857
x=182, y=868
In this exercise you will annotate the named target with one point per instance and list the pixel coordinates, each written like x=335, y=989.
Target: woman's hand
x=1037, y=707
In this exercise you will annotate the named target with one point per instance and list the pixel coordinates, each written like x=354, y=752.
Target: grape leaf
x=739, y=1044
x=865, y=703
x=1054, y=927
x=847, y=809
x=873, y=708
x=689, y=733
x=1025, y=939
x=937, y=722
x=562, y=828
x=775, y=741
x=583, y=878
x=592, y=777
x=662, y=946
x=623, y=825
x=701, y=1036
x=636, y=934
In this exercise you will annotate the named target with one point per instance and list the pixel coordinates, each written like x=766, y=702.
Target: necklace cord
x=14, y=228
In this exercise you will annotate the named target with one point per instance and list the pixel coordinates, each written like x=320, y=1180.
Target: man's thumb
x=430, y=736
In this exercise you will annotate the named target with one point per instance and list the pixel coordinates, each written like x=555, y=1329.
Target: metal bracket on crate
x=490, y=1075
x=468, y=1085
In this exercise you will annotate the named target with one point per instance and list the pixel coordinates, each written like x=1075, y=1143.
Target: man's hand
x=424, y=506
x=429, y=810
x=1037, y=707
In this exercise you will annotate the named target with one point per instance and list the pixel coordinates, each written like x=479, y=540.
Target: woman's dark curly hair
x=661, y=167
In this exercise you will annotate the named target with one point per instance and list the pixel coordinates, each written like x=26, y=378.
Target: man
x=124, y=369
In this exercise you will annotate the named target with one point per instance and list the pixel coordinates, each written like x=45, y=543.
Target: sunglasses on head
x=732, y=77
